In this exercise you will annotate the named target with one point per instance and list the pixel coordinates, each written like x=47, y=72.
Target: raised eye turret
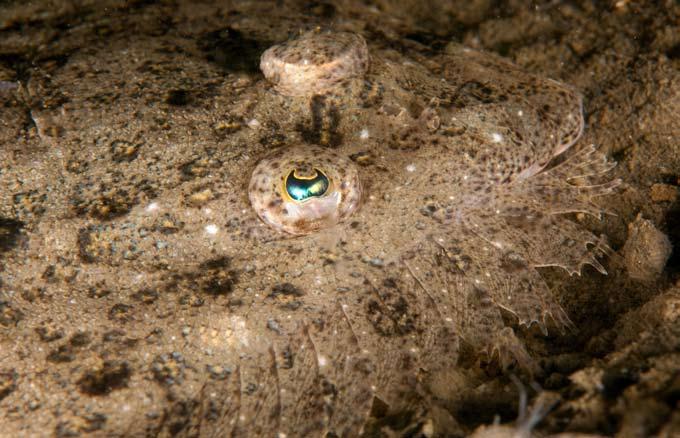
x=315, y=62
x=303, y=190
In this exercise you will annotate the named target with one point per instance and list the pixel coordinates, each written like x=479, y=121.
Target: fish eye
x=315, y=62
x=303, y=187
x=300, y=190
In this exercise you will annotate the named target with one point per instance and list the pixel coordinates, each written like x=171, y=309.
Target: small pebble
x=663, y=193
x=646, y=250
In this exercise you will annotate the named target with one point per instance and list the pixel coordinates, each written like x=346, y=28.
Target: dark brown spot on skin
x=8, y=379
x=146, y=296
x=101, y=380
x=304, y=225
x=120, y=312
x=285, y=289
x=10, y=230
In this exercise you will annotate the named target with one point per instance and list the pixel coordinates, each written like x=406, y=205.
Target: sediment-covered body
x=136, y=255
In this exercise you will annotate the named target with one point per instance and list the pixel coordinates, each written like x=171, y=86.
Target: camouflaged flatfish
x=190, y=253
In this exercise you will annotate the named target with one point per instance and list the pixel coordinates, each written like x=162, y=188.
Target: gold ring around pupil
x=301, y=188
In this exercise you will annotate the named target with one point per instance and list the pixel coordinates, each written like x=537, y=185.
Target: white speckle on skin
x=253, y=123
x=363, y=134
x=152, y=207
x=411, y=168
x=211, y=229
x=322, y=361
x=496, y=137
x=520, y=113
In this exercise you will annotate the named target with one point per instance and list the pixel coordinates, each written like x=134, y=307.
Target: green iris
x=303, y=188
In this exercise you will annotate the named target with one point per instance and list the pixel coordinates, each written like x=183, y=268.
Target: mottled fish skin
x=315, y=62
x=151, y=271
